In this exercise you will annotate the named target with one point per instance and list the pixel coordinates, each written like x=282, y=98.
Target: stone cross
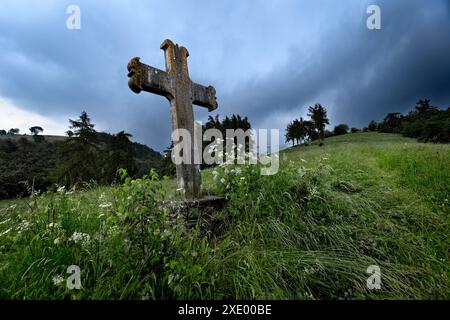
x=177, y=87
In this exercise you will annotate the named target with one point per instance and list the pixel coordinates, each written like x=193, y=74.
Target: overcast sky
x=268, y=60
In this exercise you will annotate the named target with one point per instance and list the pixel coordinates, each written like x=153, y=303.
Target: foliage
x=37, y=162
x=340, y=129
x=36, y=130
x=25, y=166
x=319, y=118
x=309, y=232
x=235, y=122
x=426, y=123
x=372, y=126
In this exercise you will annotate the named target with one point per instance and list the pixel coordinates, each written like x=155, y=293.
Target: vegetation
x=425, y=122
x=309, y=232
x=37, y=162
x=311, y=130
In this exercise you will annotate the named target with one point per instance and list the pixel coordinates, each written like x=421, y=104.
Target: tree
x=80, y=154
x=289, y=135
x=168, y=168
x=340, y=129
x=13, y=131
x=372, y=126
x=36, y=130
x=319, y=118
x=234, y=122
x=121, y=154
x=391, y=123
x=311, y=132
x=300, y=130
x=354, y=130
x=423, y=106
x=3, y=132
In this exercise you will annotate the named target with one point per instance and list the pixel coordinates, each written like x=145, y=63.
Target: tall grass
x=309, y=232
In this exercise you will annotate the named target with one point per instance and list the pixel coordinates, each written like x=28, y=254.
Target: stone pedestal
x=203, y=211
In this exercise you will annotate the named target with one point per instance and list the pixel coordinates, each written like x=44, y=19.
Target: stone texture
x=177, y=87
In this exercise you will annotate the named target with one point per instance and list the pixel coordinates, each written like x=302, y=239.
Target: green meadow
x=309, y=232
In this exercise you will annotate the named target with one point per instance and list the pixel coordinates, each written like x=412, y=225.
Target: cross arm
x=147, y=78
x=204, y=96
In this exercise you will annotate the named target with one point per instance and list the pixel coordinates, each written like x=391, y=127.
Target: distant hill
x=26, y=161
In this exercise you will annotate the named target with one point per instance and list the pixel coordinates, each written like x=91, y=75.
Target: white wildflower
x=80, y=237
x=105, y=205
x=52, y=225
x=57, y=241
x=222, y=180
x=102, y=197
x=23, y=226
x=238, y=171
x=57, y=280
x=61, y=189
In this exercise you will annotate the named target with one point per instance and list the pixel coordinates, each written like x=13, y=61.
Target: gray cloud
x=268, y=61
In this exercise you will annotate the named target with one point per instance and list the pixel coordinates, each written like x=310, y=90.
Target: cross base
x=204, y=211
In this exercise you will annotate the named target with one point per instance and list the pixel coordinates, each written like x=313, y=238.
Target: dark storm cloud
x=267, y=60
x=361, y=74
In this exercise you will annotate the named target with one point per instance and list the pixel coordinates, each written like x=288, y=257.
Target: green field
x=309, y=232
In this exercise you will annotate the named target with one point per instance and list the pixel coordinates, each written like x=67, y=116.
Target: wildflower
x=23, y=226
x=242, y=178
x=238, y=171
x=61, y=189
x=80, y=237
x=102, y=198
x=194, y=253
x=57, y=241
x=105, y=205
x=57, y=280
x=53, y=225
x=222, y=180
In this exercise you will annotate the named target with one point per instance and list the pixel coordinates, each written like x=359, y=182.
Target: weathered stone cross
x=177, y=87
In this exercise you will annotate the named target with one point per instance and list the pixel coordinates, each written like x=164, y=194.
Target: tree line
x=424, y=122
x=300, y=130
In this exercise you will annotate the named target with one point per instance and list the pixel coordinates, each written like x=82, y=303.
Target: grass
x=309, y=232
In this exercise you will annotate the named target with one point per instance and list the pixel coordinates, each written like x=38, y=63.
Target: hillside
x=25, y=161
x=309, y=232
